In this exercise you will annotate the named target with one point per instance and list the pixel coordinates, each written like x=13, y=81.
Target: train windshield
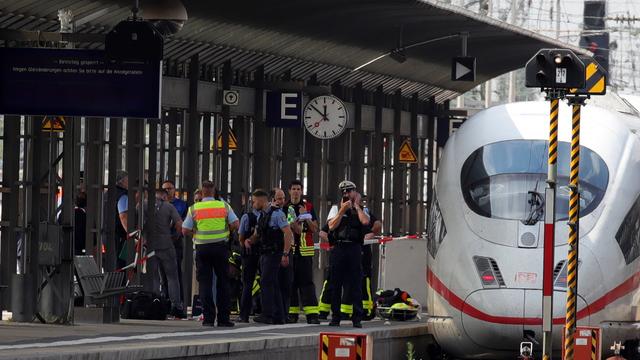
x=506, y=180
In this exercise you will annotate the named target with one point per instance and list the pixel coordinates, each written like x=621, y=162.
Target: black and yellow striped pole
x=549, y=225
x=574, y=223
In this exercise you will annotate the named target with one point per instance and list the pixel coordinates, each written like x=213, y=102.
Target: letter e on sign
x=284, y=105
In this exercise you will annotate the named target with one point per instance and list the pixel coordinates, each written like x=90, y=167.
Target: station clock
x=325, y=117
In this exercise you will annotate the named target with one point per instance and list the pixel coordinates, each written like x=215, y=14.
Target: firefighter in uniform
x=348, y=225
x=210, y=221
x=304, y=223
x=274, y=235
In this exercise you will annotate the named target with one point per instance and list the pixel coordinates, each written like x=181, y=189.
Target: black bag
x=144, y=305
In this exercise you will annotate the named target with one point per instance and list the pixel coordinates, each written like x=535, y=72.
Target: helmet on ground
x=346, y=185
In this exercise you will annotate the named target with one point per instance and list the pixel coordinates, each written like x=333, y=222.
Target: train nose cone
x=498, y=318
x=494, y=318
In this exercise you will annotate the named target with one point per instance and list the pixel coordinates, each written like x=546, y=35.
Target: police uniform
x=275, y=282
x=210, y=221
x=303, y=291
x=250, y=265
x=346, y=263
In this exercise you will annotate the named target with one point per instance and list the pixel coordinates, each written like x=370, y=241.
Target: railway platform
x=187, y=339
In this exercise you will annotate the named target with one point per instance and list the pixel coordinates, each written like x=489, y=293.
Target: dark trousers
x=275, y=286
x=302, y=289
x=210, y=258
x=346, y=272
x=178, y=246
x=250, y=264
x=164, y=263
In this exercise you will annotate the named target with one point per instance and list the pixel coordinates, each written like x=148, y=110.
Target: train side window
x=628, y=235
x=437, y=229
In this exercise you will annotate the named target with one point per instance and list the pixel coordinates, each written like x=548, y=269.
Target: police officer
x=250, y=253
x=275, y=238
x=348, y=225
x=122, y=186
x=210, y=221
x=304, y=223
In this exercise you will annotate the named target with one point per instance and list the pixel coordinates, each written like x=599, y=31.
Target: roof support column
x=375, y=155
x=206, y=146
x=239, y=181
x=93, y=173
x=10, y=197
x=227, y=81
x=397, y=207
x=430, y=143
x=262, y=166
x=414, y=189
x=357, y=146
x=114, y=164
x=190, y=160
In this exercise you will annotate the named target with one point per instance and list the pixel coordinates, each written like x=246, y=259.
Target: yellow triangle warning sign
x=53, y=124
x=406, y=154
x=233, y=141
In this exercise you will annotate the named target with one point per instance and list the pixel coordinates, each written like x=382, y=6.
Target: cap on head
x=346, y=185
x=121, y=175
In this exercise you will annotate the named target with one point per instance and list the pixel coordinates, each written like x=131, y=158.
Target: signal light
x=555, y=69
x=489, y=273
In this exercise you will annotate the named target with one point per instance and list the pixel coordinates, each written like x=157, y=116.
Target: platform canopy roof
x=325, y=38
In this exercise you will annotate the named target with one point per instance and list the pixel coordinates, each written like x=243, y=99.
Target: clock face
x=325, y=117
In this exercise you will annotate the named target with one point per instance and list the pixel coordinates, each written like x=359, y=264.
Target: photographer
x=348, y=226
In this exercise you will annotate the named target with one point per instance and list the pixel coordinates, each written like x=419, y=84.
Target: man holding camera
x=348, y=226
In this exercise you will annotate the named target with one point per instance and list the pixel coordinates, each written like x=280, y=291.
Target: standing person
x=275, y=238
x=122, y=207
x=178, y=240
x=348, y=225
x=250, y=253
x=210, y=221
x=304, y=223
x=162, y=220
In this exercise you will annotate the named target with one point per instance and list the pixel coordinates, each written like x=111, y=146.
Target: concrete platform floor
x=187, y=339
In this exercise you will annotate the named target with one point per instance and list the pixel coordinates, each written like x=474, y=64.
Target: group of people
x=276, y=240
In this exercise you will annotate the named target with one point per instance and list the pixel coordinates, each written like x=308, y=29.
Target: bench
x=98, y=285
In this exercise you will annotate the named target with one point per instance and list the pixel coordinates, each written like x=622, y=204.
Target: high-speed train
x=485, y=237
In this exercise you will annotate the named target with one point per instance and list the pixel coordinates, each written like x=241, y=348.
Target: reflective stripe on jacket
x=210, y=219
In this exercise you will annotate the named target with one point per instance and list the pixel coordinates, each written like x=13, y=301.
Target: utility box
x=587, y=343
x=343, y=346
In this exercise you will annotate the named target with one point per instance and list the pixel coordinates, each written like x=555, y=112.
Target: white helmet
x=346, y=185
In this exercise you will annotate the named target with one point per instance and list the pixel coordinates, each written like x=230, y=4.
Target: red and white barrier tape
x=381, y=240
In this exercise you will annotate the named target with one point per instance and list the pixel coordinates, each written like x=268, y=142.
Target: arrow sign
x=463, y=68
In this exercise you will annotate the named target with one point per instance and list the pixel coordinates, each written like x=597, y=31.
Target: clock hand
x=318, y=111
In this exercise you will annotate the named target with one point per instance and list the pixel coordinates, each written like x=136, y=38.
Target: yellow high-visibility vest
x=210, y=219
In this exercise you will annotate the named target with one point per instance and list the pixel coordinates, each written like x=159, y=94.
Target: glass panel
x=506, y=180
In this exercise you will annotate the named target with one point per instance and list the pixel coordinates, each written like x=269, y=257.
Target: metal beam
x=430, y=165
x=357, y=148
x=227, y=81
x=397, y=202
x=10, y=199
x=414, y=190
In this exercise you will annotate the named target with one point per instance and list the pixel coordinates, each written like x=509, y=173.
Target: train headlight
x=489, y=273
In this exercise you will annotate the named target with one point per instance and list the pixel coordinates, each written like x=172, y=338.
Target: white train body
x=484, y=264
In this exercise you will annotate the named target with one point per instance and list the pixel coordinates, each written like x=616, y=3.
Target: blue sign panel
x=76, y=83
x=284, y=109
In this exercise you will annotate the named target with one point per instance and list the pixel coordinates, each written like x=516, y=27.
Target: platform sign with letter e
x=406, y=154
x=463, y=68
x=284, y=109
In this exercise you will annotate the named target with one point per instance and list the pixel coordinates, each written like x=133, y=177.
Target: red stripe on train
x=619, y=291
